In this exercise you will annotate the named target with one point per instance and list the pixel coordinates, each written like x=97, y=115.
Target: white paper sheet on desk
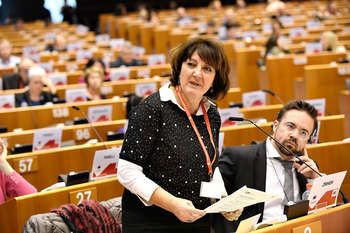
x=240, y=199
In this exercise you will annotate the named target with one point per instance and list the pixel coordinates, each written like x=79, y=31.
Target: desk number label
x=26, y=165
x=87, y=194
x=82, y=134
x=309, y=228
x=60, y=112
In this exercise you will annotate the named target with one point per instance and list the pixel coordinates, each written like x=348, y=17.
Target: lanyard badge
x=209, y=163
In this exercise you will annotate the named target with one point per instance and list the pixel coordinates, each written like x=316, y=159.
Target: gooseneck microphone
x=296, y=155
x=92, y=127
x=274, y=95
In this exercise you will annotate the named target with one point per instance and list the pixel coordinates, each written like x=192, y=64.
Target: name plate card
x=45, y=139
x=226, y=113
x=100, y=113
x=105, y=163
x=7, y=101
x=58, y=79
x=120, y=74
x=145, y=89
x=76, y=95
x=253, y=99
x=156, y=59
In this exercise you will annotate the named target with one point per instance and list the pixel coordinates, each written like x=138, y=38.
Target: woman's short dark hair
x=92, y=62
x=212, y=53
x=300, y=106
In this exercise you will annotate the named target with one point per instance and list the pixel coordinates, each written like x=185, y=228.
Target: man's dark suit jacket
x=11, y=81
x=120, y=62
x=245, y=165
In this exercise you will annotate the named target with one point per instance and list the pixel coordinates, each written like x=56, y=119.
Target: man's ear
x=274, y=125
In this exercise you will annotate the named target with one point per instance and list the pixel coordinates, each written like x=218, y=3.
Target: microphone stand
x=93, y=128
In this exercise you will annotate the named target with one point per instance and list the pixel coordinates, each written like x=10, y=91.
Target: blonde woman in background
x=329, y=42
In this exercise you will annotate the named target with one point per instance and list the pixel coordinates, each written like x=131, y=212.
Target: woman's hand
x=186, y=212
x=4, y=165
x=232, y=216
x=183, y=209
x=47, y=82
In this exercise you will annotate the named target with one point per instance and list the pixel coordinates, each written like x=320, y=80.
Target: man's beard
x=286, y=152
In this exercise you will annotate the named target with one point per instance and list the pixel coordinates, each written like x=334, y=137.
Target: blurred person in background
x=329, y=42
x=59, y=45
x=68, y=13
x=275, y=44
x=126, y=57
x=6, y=59
x=94, y=77
x=35, y=95
x=98, y=62
x=20, y=79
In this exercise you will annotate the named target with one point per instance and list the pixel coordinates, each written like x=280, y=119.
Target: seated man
x=6, y=60
x=19, y=79
x=262, y=166
x=59, y=45
x=233, y=32
x=126, y=57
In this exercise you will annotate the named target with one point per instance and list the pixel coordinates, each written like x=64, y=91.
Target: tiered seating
x=280, y=76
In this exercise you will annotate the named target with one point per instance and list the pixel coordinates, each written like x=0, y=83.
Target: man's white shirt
x=274, y=183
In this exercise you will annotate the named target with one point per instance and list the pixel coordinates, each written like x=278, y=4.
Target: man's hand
x=305, y=170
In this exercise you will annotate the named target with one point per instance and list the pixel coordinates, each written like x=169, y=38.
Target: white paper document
x=240, y=199
x=247, y=225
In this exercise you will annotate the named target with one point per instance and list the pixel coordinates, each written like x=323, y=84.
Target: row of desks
x=331, y=157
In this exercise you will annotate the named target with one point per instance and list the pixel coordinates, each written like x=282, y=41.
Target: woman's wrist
x=6, y=168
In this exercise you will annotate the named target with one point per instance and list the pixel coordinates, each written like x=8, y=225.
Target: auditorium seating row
x=331, y=157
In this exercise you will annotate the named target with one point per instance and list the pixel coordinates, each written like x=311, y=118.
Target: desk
x=282, y=71
x=45, y=166
x=15, y=212
x=335, y=220
x=344, y=108
x=47, y=115
x=79, y=133
x=333, y=157
x=325, y=81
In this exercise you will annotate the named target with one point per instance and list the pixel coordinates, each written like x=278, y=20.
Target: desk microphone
x=296, y=155
x=274, y=95
x=92, y=127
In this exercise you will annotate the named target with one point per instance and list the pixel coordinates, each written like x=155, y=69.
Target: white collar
x=271, y=151
x=167, y=94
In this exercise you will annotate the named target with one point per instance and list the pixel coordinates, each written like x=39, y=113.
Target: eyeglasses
x=289, y=126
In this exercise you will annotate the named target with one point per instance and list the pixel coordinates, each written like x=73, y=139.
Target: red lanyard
x=209, y=163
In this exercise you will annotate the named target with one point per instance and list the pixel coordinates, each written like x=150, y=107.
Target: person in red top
x=11, y=183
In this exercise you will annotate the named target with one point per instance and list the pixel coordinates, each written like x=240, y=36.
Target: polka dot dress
x=161, y=140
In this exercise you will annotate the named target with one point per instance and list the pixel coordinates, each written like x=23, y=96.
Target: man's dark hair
x=300, y=106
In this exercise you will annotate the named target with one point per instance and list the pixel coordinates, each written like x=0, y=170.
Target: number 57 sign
x=26, y=164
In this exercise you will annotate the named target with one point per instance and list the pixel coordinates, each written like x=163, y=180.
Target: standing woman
x=171, y=144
